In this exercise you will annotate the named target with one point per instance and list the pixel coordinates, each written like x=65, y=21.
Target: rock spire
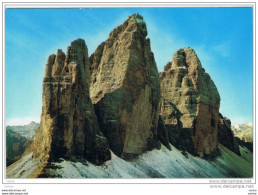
x=125, y=89
x=190, y=104
x=68, y=121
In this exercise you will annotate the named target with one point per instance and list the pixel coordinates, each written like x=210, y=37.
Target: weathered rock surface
x=190, y=104
x=171, y=117
x=68, y=122
x=226, y=135
x=125, y=89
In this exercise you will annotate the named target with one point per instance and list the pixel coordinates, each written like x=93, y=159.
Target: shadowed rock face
x=226, y=135
x=125, y=89
x=163, y=133
x=190, y=104
x=68, y=122
x=15, y=146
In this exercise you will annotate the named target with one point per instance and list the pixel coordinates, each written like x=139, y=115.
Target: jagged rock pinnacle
x=68, y=122
x=125, y=89
x=190, y=104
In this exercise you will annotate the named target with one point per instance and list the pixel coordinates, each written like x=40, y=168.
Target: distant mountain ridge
x=244, y=131
x=15, y=146
x=27, y=131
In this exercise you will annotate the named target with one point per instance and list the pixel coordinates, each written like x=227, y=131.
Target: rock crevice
x=226, y=135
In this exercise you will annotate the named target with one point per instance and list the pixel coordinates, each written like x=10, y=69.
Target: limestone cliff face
x=68, y=122
x=190, y=104
x=226, y=135
x=125, y=88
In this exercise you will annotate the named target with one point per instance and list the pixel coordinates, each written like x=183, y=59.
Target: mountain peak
x=68, y=121
x=115, y=106
x=136, y=18
x=244, y=131
x=33, y=123
x=125, y=89
x=133, y=23
x=190, y=103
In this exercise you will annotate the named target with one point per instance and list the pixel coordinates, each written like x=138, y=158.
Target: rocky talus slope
x=190, y=104
x=125, y=89
x=162, y=163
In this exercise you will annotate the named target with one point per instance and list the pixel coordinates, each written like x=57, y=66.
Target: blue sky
x=221, y=37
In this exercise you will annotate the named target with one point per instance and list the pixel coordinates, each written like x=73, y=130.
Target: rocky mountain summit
x=68, y=122
x=190, y=104
x=125, y=89
x=110, y=115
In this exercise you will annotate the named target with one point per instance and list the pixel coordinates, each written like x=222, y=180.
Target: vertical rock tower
x=68, y=121
x=125, y=89
x=190, y=103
